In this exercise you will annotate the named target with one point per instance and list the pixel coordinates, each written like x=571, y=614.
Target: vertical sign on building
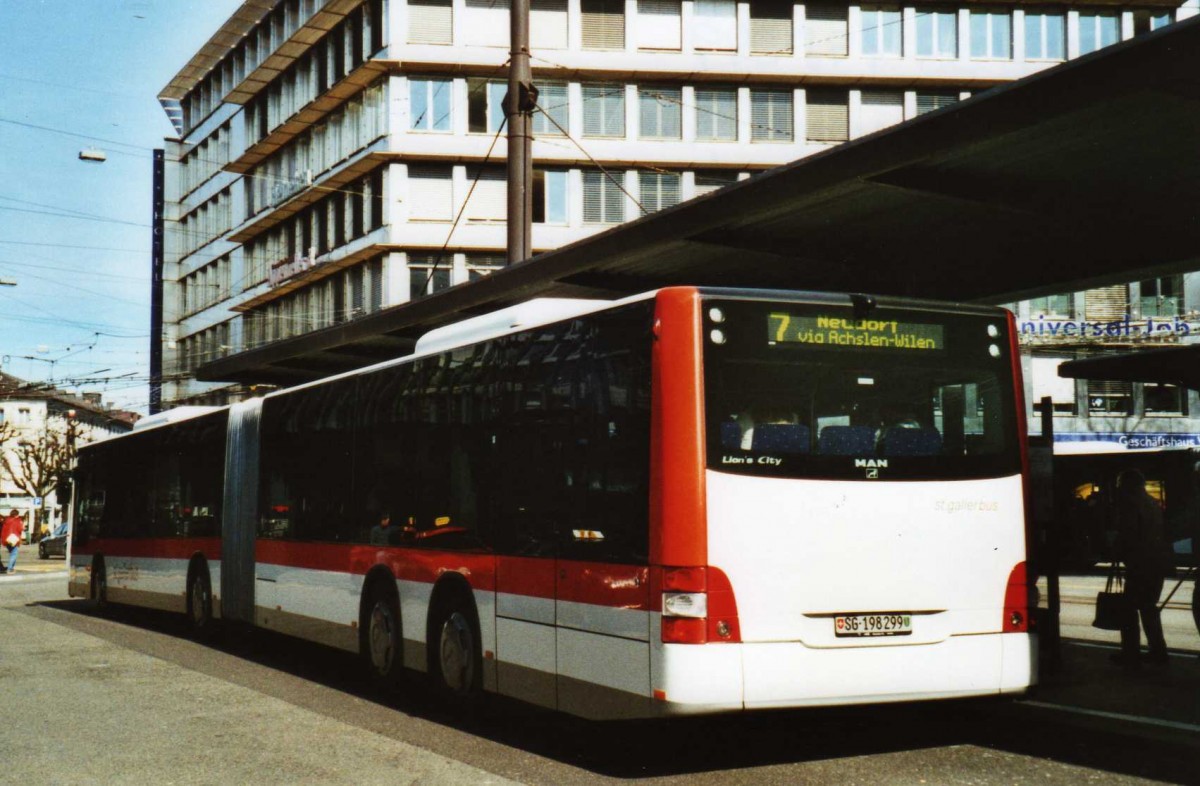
x=156, y=284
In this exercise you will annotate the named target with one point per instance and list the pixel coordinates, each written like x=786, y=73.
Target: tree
x=38, y=465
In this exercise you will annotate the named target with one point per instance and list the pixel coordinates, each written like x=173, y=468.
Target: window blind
x=880, y=109
x=658, y=190
x=489, y=201
x=548, y=24
x=827, y=116
x=603, y=201
x=603, y=24
x=604, y=110
x=928, y=102
x=430, y=22
x=714, y=25
x=430, y=193
x=716, y=114
x=770, y=27
x=771, y=115
x=827, y=30
x=659, y=112
x=658, y=24
x=486, y=23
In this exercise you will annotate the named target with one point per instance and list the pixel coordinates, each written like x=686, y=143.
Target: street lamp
x=93, y=155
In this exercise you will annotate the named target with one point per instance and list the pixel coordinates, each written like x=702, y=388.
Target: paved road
x=1079, y=608
x=127, y=698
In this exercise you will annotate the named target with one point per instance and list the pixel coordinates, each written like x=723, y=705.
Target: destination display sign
x=783, y=328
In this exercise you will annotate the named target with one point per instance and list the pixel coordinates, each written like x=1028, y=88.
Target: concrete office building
x=337, y=157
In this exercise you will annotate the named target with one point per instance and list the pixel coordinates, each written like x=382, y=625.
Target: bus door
x=525, y=534
x=240, y=512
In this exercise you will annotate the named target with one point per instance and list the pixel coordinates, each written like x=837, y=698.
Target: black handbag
x=1112, y=605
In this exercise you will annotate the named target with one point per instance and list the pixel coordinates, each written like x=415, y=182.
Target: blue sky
x=75, y=236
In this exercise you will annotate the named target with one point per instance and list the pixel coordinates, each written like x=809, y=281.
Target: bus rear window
x=815, y=391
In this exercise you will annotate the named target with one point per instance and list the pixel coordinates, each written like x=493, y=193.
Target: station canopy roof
x=1171, y=366
x=1081, y=175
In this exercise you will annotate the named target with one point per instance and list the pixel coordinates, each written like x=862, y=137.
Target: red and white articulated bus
x=689, y=501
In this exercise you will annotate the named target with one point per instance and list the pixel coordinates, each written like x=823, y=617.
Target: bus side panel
x=149, y=572
x=677, y=507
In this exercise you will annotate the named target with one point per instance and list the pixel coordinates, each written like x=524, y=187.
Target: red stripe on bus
x=531, y=576
x=425, y=565
x=602, y=584
x=155, y=548
x=678, y=531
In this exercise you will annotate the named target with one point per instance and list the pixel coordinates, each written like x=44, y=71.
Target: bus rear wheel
x=199, y=601
x=382, y=645
x=458, y=660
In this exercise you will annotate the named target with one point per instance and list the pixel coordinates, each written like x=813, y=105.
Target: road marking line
x=1179, y=726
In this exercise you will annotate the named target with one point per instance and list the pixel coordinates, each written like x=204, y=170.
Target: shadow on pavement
x=693, y=745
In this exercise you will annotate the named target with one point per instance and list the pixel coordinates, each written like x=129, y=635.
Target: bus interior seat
x=846, y=441
x=898, y=441
x=780, y=438
x=731, y=435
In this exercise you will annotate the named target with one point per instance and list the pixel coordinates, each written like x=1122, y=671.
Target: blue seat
x=780, y=438
x=731, y=435
x=846, y=441
x=911, y=442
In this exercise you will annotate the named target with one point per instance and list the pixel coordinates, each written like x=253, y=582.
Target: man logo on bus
x=872, y=467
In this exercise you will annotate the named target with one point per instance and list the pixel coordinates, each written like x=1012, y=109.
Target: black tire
x=382, y=643
x=98, y=588
x=42, y=551
x=200, y=601
x=457, y=654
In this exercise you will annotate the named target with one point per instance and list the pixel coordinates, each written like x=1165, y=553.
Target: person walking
x=10, y=535
x=1142, y=545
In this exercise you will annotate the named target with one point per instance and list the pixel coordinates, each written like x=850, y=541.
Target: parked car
x=54, y=545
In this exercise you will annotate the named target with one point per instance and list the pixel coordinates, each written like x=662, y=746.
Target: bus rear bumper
x=722, y=677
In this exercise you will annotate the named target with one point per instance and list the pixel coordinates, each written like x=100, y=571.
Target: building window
x=550, y=196
x=1052, y=306
x=548, y=24
x=603, y=199
x=430, y=22
x=1098, y=29
x=658, y=24
x=430, y=192
x=604, y=110
x=428, y=273
x=937, y=33
x=1047, y=382
x=991, y=35
x=770, y=27
x=1147, y=20
x=1045, y=36
x=707, y=182
x=1160, y=399
x=828, y=116
x=429, y=104
x=882, y=31
x=659, y=112
x=486, y=23
x=714, y=25
x=483, y=265
x=553, y=116
x=1162, y=297
x=880, y=109
x=716, y=114
x=488, y=200
x=771, y=115
x=658, y=190
x=1107, y=397
x=928, y=102
x=826, y=29
x=485, y=106
x=603, y=24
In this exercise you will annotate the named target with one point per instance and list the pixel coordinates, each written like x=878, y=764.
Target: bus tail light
x=1016, y=602
x=698, y=607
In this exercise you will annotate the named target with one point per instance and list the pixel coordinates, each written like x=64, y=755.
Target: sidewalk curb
x=21, y=578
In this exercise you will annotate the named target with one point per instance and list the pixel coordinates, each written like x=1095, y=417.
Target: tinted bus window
x=806, y=390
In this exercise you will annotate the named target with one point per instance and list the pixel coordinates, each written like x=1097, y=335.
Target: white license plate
x=898, y=624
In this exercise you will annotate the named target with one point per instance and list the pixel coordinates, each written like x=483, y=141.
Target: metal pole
x=518, y=108
x=156, y=282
